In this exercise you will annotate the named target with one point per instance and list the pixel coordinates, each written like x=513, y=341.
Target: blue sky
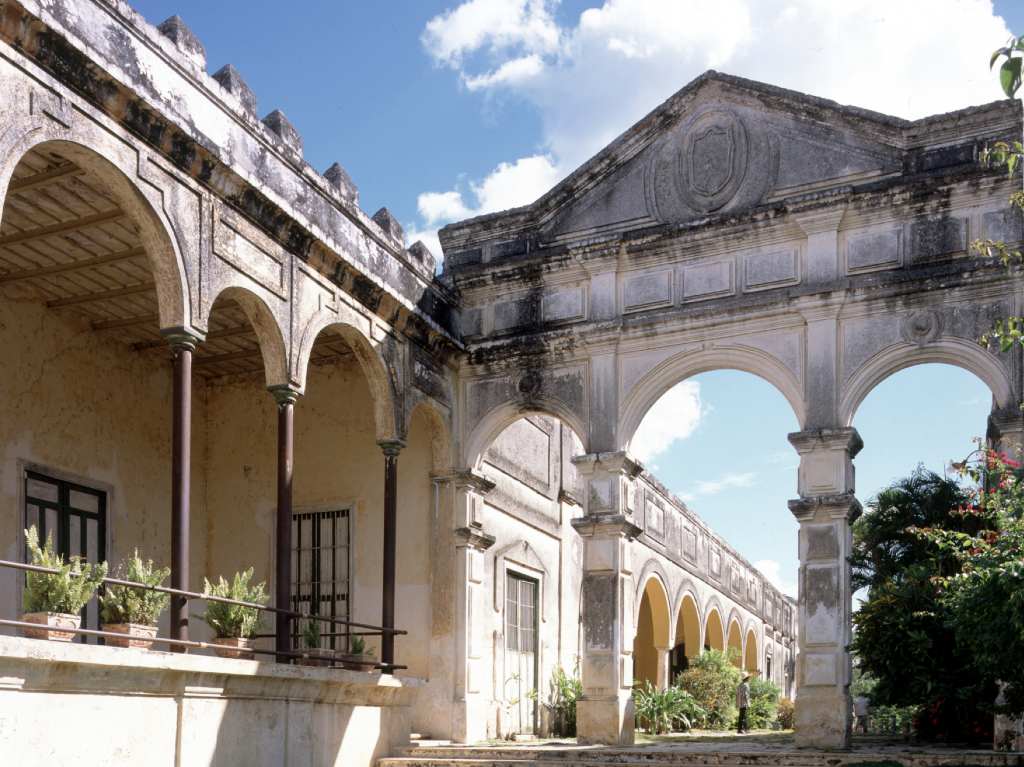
x=441, y=110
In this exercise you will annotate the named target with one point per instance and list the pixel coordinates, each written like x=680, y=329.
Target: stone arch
x=950, y=351
x=487, y=429
x=273, y=348
x=158, y=236
x=734, y=641
x=653, y=622
x=678, y=368
x=689, y=627
x=750, y=652
x=378, y=376
x=714, y=628
x=440, y=433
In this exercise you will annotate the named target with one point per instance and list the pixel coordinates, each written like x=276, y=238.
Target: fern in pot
x=359, y=657
x=55, y=600
x=313, y=655
x=134, y=611
x=234, y=625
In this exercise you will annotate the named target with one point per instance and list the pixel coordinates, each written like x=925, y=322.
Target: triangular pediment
x=721, y=145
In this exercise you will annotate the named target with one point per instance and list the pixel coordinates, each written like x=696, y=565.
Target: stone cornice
x=466, y=479
x=606, y=526
x=473, y=538
x=840, y=506
x=829, y=439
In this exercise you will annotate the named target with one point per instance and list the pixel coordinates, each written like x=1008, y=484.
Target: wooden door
x=521, y=652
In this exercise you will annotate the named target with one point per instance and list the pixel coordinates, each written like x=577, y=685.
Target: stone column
x=825, y=509
x=182, y=344
x=470, y=710
x=604, y=714
x=664, y=666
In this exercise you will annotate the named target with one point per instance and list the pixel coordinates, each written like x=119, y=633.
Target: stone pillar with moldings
x=604, y=714
x=825, y=509
x=1006, y=431
x=469, y=713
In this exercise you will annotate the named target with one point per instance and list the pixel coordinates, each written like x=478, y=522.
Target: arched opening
x=520, y=486
x=714, y=633
x=651, y=642
x=88, y=274
x=735, y=643
x=750, y=655
x=687, y=636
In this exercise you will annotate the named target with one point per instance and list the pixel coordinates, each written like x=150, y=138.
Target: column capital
x=618, y=462
x=284, y=394
x=839, y=506
x=845, y=438
x=606, y=526
x=180, y=337
x=391, y=447
x=473, y=538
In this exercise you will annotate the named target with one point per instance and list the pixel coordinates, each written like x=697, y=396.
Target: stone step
x=682, y=757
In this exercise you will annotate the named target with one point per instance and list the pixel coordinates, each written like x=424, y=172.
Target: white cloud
x=772, y=570
x=672, y=418
x=715, y=486
x=592, y=79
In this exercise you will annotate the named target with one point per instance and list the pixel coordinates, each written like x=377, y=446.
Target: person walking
x=861, y=706
x=743, y=703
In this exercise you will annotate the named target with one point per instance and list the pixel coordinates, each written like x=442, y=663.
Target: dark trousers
x=742, y=726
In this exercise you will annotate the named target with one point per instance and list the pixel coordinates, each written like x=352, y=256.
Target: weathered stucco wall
x=75, y=405
x=132, y=707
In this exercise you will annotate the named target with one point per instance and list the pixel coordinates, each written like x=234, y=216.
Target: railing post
x=285, y=397
x=182, y=345
x=387, y=610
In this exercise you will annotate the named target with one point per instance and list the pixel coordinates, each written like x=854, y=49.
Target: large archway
x=714, y=632
x=750, y=653
x=652, y=640
x=734, y=643
x=687, y=635
x=89, y=274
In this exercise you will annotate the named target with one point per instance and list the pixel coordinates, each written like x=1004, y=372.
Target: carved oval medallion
x=713, y=160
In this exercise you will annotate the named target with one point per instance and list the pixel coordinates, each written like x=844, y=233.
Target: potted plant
x=314, y=655
x=358, y=657
x=234, y=625
x=134, y=611
x=56, y=599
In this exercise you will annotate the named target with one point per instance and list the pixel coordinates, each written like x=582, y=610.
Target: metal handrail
x=371, y=630
x=210, y=598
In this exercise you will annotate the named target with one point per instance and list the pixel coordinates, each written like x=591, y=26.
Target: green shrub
x=786, y=713
x=67, y=591
x=563, y=692
x=228, y=620
x=712, y=680
x=357, y=646
x=659, y=711
x=311, y=634
x=764, y=704
x=123, y=604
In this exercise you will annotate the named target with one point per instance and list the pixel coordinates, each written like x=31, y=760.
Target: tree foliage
x=712, y=679
x=903, y=638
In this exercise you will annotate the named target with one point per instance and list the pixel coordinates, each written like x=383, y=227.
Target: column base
x=606, y=721
x=822, y=718
x=469, y=719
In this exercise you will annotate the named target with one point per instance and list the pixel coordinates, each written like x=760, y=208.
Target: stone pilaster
x=605, y=713
x=469, y=713
x=825, y=510
x=1006, y=431
x=664, y=666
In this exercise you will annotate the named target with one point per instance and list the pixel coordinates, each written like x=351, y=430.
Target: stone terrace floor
x=774, y=749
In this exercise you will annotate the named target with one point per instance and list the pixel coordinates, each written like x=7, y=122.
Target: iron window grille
x=321, y=582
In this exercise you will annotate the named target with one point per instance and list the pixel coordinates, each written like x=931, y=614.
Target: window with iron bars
x=320, y=573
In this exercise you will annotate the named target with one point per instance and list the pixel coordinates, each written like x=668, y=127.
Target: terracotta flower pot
x=233, y=647
x=358, y=662
x=57, y=621
x=138, y=635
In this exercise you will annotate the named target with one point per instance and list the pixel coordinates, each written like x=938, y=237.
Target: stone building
x=214, y=356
